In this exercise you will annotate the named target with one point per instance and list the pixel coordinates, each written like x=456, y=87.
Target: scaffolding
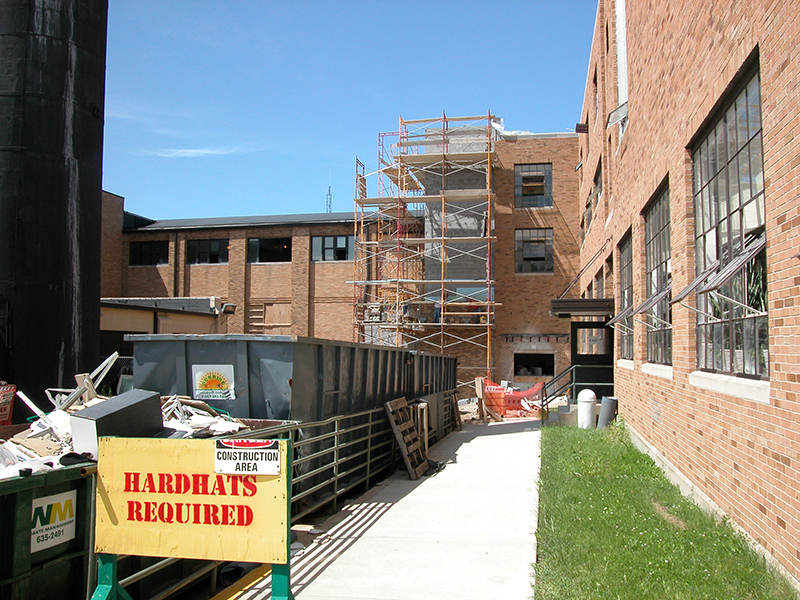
x=423, y=243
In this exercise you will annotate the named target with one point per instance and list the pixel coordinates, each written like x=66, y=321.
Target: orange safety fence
x=506, y=403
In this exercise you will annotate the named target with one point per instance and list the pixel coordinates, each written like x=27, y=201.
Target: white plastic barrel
x=587, y=404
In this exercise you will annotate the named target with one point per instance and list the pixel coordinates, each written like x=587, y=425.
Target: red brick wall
x=333, y=300
x=525, y=297
x=111, y=266
x=683, y=56
x=321, y=301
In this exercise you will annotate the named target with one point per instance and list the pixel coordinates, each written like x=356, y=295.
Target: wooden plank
x=397, y=404
x=414, y=446
x=405, y=432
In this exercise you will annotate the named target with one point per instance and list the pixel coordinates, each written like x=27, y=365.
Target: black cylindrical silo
x=52, y=87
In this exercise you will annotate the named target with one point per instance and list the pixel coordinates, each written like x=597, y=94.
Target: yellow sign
x=162, y=497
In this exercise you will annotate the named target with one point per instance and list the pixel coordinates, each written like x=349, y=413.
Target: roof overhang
x=566, y=308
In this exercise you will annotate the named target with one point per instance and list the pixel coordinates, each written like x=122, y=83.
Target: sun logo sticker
x=213, y=382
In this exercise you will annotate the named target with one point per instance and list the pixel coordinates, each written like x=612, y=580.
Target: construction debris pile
x=502, y=401
x=68, y=434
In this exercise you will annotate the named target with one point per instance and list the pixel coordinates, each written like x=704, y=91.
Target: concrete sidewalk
x=466, y=532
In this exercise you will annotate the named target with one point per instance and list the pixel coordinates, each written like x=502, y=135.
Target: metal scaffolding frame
x=423, y=245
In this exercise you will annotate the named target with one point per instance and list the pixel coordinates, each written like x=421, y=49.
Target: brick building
x=284, y=275
x=289, y=274
x=531, y=345
x=475, y=231
x=689, y=186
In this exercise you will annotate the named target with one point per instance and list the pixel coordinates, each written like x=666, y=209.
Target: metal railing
x=329, y=459
x=333, y=456
x=566, y=381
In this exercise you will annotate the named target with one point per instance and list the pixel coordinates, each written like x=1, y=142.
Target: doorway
x=592, y=356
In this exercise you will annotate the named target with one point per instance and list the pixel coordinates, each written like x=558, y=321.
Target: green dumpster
x=46, y=535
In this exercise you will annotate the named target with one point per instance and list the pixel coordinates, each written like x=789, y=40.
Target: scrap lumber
x=479, y=385
x=401, y=419
x=452, y=398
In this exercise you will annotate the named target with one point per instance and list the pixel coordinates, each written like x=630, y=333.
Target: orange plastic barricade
x=526, y=403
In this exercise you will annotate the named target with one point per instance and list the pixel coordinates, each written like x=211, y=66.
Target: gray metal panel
x=328, y=377
x=154, y=367
x=270, y=371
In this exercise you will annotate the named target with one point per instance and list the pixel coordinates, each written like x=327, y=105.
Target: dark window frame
x=148, y=253
x=533, y=250
x=657, y=310
x=269, y=250
x=728, y=176
x=530, y=178
x=626, y=297
x=207, y=252
x=325, y=248
x=592, y=200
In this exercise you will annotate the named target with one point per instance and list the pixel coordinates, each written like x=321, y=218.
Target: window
x=534, y=250
x=149, y=253
x=658, y=265
x=332, y=247
x=624, y=318
x=264, y=250
x=204, y=252
x=599, y=285
x=593, y=200
x=534, y=365
x=730, y=242
x=533, y=185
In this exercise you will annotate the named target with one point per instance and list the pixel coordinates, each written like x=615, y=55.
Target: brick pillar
x=301, y=257
x=237, y=266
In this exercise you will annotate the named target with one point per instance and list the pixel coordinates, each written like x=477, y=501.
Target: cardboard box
x=7, y=393
x=136, y=413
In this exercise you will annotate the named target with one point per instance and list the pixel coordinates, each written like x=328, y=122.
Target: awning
x=616, y=115
x=621, y=315
x=750, y=251
x=652, y=301
x=695, y=282
x=564, y=308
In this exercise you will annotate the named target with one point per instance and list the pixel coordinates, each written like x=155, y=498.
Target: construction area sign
x=168, y=498
x=247, y=457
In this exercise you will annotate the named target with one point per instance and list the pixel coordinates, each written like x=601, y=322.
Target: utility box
x=285, y=377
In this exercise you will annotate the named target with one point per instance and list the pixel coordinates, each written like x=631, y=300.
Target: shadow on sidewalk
x=346, y=527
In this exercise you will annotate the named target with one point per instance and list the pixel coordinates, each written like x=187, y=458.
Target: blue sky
x=246, y=107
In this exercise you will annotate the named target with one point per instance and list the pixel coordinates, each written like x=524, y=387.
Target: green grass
x=611, y=526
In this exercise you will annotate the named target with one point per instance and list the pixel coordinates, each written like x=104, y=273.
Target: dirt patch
x=669, y=517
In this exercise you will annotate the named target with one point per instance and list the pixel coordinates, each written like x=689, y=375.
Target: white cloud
x=194, y=152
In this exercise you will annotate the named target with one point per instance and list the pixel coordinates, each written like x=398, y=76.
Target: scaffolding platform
x=423, y=249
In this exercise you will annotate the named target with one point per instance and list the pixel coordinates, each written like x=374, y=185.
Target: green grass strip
x=611, y=526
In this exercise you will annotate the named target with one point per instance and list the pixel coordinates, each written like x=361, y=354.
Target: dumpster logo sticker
x=213, y=382
x=53, y=520
x=247, y=457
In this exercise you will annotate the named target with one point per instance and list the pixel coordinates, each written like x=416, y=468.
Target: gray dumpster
x=287, y=377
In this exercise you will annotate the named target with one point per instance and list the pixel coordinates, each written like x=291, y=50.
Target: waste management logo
x=53, y=520
x=213, y=382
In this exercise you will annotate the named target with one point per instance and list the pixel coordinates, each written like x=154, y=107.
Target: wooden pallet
x=401, y=418
x=452, y=398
